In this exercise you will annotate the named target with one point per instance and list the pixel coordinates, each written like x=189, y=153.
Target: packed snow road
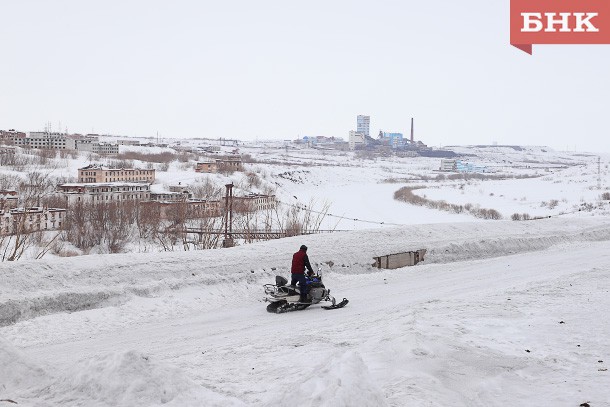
x=523, y=329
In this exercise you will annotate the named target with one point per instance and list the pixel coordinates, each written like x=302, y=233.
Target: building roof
x=103, y=184
x=101, y=167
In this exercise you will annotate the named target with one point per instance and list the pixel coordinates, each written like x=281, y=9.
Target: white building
x=105, y=148
x=128, y=142
x=363, y=124
x=255, y=202
x=105, y=192
x=25, y=220
x=356, y=140
x=448, y=165
x=43, y=140
x=170, y=196
x=61, y=141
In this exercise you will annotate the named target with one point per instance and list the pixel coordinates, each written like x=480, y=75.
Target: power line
x=304, y=207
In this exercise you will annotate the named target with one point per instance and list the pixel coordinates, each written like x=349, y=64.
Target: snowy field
x=500, y=313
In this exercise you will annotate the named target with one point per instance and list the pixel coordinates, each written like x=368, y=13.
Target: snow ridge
x=36, y=288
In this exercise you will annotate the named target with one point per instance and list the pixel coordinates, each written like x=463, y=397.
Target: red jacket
x=299, y=262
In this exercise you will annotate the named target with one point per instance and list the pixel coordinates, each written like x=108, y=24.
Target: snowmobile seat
x=280, y=281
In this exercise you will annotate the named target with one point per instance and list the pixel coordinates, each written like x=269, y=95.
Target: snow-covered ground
x=500, y=312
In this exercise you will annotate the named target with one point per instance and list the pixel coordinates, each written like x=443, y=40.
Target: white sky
x=284, y=69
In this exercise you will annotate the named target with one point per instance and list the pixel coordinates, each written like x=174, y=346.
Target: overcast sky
x=282, y=69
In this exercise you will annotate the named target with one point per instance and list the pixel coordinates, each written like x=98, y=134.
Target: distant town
x=359, y=139
x=116, y=192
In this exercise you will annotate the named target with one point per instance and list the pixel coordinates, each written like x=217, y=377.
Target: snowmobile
x=284, y=298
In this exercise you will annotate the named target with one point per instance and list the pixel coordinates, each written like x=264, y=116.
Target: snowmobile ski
x=337, y=306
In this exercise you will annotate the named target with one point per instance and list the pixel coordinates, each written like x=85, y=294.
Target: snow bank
x=17, y=372
x=118, y=379
x=343, y=381
x=132, y=378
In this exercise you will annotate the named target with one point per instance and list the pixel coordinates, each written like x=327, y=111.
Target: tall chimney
x=411, y=130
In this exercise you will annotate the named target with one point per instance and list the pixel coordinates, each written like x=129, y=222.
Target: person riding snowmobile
x=300, y=262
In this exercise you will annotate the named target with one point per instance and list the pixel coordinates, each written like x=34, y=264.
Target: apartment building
x=363, y=124
x=105, y=192
x=213, y=166
x=98, y=173
x=356, y=140
x=206, y=166
x=25, y=220
x=42, y=140
x=105, y=148
x=8, y=199
x=254, y=202
x=190, y=209
x=9, y=136
x=170, y=196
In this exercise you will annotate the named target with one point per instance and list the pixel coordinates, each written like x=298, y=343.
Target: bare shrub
x=206, y=189
x=553, y=203
x=253, y=180
x=605, y=196
x=9, y=181
x=588, y=207
x=105, y=225
x=493, y=214
x=516, y=216
x=44, y=156
x=298, y=220
x=365, y=155
x=35, y=186
x=458, y=208
x=148, y=219
x=64, y=154
x=406, y=194
x=185, y=157
x=185, y=166
x=120, y=163
x=67, y=253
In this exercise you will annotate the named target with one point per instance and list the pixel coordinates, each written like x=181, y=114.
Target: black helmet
x=303, y=247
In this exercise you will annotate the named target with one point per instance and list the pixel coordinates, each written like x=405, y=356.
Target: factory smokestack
x=411, y=130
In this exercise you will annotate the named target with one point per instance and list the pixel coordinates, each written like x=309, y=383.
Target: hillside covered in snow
x=500, y=312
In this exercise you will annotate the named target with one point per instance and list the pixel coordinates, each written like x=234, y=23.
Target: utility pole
x=228, y=240
x=599, y=177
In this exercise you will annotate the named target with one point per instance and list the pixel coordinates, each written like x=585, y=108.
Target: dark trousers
x=300, y=278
